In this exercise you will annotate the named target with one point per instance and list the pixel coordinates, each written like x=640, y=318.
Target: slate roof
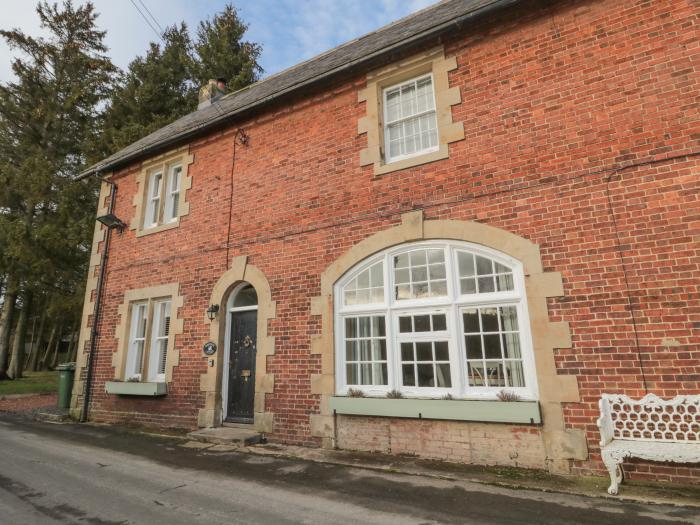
x=423, y=24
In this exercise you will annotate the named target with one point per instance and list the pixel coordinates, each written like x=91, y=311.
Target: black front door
x=241, y=369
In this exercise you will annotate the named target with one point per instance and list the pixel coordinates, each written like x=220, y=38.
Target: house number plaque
x=209, y=348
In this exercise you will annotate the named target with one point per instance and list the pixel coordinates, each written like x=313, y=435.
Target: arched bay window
x=431, y=319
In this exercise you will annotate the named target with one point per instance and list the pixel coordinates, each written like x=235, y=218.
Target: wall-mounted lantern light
x=212, y=311
x=111, y=221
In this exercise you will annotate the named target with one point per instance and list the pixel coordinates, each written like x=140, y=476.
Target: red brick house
x=447, y=238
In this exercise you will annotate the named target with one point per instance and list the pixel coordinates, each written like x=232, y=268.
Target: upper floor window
x=410, y=121
x=434, y=318
x=163, y=196
x=161, y=200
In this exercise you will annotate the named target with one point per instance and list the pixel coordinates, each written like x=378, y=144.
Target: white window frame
x=173, y=191
x=452, y=304
x=160, y=203
x=148, y=364
x=154, y=354
x=130, y=369
x=385, y=126
x=154, y=199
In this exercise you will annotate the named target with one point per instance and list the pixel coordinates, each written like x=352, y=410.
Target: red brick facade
x=581, y=135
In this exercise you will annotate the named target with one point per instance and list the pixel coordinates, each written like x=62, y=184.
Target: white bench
x=649, y=428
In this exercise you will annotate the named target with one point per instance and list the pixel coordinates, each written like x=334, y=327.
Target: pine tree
x=47, y=122
x=155, y=90
x=162, y=86
x=222, y=52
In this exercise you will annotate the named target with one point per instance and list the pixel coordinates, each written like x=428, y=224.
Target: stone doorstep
x=240, y=436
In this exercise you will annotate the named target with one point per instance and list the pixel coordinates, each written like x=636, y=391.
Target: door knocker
x=247, y=341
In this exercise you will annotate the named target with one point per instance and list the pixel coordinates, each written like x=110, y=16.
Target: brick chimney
x=211, y=91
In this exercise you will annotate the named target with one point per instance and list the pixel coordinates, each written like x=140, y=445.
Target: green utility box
x=66, y=371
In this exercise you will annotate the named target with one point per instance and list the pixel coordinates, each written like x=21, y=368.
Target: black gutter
x=415, y=39
x=96, y=310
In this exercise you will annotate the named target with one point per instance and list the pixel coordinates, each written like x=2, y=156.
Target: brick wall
x=581, y=123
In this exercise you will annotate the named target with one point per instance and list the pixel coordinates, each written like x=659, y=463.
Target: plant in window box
x=507, y=395
x=355, y=392
x=133, y=380
x=394, y=394
x=448, y=397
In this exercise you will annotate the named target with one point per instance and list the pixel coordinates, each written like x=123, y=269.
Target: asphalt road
x=95, y=475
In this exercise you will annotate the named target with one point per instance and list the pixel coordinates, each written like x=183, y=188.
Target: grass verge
x=31, y=383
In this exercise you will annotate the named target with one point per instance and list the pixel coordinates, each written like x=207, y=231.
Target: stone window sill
x=130, y=388
x=527, y=412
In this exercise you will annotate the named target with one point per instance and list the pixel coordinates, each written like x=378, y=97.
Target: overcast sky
x=289, y=30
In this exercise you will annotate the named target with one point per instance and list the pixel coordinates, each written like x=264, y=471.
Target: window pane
x=471, y=320
x=492, y=346
x=466, y=264
x=350, y=327
x=486, y=284
x=401, y=261
x=364, y=325
x=475, y=371
x=378, y=350
x=443, y=375
x=509, y=318
x=421, y=290
x=436, y=256
x=422, y=323
x=442, y=352
x=468, y=285
x=405, y=324
x=426, y=377
x=409, y=376
x=419, y=274
x=511, y=346
x=403, y=276
x=424, y=351
x=438, y=288
x=497, y=342
x=489, y=319
x=439, y=322
x=378, y=326
x=505, y=282
x=437, y=271
x=246, y=296
x=367, y=287
x=514, y=369
x=418, y=257
x=366, y=350
x=407, y=352
x=473, y=344
x=351, y=353
x=492, y=276
x=364, y=346
x=426, y=281
x=352, y=371
x=484, y=266
x=495, y=374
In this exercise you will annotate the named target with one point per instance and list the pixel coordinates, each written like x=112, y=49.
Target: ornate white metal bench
x=649, y=428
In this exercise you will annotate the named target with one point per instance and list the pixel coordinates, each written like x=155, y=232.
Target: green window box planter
x=128, y=388
x=525, y=412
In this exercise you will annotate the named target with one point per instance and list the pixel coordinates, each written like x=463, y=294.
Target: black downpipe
x=98, y=304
